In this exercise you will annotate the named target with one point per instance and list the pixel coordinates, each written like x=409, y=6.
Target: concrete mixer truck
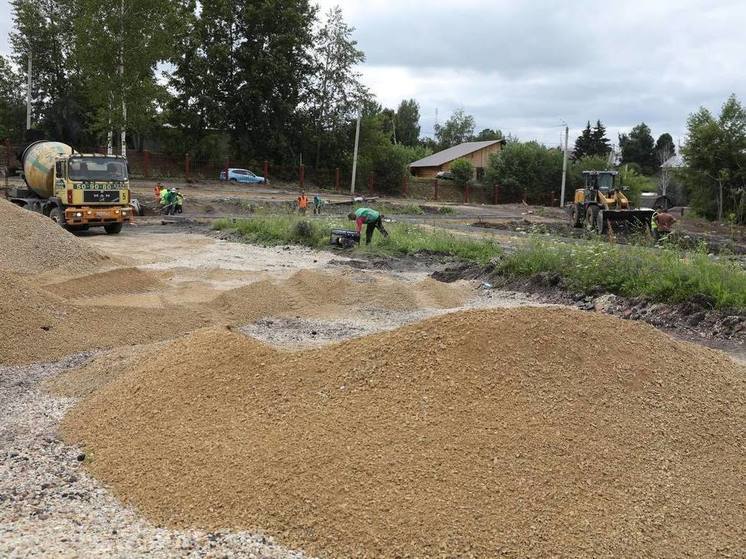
x=76, y=190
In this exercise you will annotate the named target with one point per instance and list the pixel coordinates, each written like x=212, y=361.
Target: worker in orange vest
x=157, y=192
x=302, y=202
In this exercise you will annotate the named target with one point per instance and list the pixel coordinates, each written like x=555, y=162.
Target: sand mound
x=122, y=280
x=474, y=434
x=312, y=293
x=39, y=326
x=31, y=243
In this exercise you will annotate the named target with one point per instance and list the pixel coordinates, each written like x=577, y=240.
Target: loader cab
x=603, y=181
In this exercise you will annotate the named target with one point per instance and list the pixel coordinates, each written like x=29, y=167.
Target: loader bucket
x=624, y=219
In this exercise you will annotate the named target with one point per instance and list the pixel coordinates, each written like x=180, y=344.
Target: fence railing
x=157, y=166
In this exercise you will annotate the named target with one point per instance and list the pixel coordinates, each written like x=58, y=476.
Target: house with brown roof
x=478, y=153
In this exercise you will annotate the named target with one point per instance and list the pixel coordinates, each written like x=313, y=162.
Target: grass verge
x=659, y=274
x=663, y=275
x=404, y=239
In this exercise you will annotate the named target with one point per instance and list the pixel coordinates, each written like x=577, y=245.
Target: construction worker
x=164, y=195
x=317, y=203
x=157, y=191
x=371, y=218
x=178, y=202
x=663, y=224
x=302, y=203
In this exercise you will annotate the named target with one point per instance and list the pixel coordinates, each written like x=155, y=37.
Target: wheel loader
x=601, y=204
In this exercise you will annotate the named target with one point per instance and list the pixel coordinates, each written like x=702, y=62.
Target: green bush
x=463, y=172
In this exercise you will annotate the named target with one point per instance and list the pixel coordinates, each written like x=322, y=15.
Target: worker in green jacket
x=371, y=218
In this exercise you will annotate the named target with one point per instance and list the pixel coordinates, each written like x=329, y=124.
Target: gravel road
x=50, y=507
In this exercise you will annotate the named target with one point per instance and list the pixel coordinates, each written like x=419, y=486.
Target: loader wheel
x=577, y=216
x=113, y=228
x=600, y=223
x=590, y=218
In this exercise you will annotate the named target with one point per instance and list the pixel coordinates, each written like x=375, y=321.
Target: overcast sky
x=525, y=67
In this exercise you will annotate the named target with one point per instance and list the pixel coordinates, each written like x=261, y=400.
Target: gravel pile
x=31, y=243
x=51, y=507
x=474, y=434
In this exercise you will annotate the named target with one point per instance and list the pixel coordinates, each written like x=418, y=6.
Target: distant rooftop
x=674, y=162
x=443, y=157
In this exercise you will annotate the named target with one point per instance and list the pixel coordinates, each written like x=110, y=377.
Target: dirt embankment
x=475, y=434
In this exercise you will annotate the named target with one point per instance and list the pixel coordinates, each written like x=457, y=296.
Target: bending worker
x=663, y=224
x=369, y=217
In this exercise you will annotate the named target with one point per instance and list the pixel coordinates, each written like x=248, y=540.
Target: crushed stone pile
x=31, y=243
x=37, y=325
x=111, y=282
x=52, y=321
x=312, y=293
x=519, y=433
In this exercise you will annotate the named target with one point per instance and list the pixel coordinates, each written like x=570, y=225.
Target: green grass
x=663, y=275
x=658, y=274
x=404, y=239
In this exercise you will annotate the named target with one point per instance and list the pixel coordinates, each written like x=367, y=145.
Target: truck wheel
x=113, y=228
x=590, y=217
x=600, y=223
x=58, y=216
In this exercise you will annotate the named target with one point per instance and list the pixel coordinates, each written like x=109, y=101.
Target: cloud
x=527, y=66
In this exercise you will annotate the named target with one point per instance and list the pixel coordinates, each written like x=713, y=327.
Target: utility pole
x=123, y=139
x=28, y=95
x=354, y=156
x=564, y=168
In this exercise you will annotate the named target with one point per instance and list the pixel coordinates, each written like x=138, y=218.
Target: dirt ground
x=84, y=327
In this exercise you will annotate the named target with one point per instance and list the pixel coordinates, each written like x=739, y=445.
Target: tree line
x=277, y=80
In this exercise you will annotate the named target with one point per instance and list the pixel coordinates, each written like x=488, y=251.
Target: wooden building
x=478, y=153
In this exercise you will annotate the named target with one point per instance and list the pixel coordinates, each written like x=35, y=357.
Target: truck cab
x=76, y=190
x=93, y=188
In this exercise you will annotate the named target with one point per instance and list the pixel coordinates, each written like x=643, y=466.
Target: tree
x=488, y=134
x=12, y=109
x=408, y=123
x=592, y=142
x=715, y=154
x=639, y=147
x=118, y=46
x=526, y=167
x=600, y=144
x=457, y=130
x=335, y=90
x=664, y=150
x=463, y=171
x=584, y=143
x=42, y=32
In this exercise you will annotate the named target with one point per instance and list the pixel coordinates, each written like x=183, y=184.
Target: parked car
x=444, y=175
x=242, y=175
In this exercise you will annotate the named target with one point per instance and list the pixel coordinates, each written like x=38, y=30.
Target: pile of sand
x=31, y=243
x=56, y=320
x=37, y=325
x=524, y=433
x=119, y=281
x=310, y=293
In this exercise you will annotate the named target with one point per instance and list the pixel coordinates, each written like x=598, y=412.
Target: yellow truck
x=76, y=190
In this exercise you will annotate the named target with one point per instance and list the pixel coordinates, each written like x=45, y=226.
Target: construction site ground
x=84, y=333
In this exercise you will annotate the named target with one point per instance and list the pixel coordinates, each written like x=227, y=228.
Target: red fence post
x=146, y=163
x=405, y=185
x=466, y=193
x=336, y=179
x=495, y=194
x=302, y=176
x=435, y=189
x=186, y=165
x=266, y=170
